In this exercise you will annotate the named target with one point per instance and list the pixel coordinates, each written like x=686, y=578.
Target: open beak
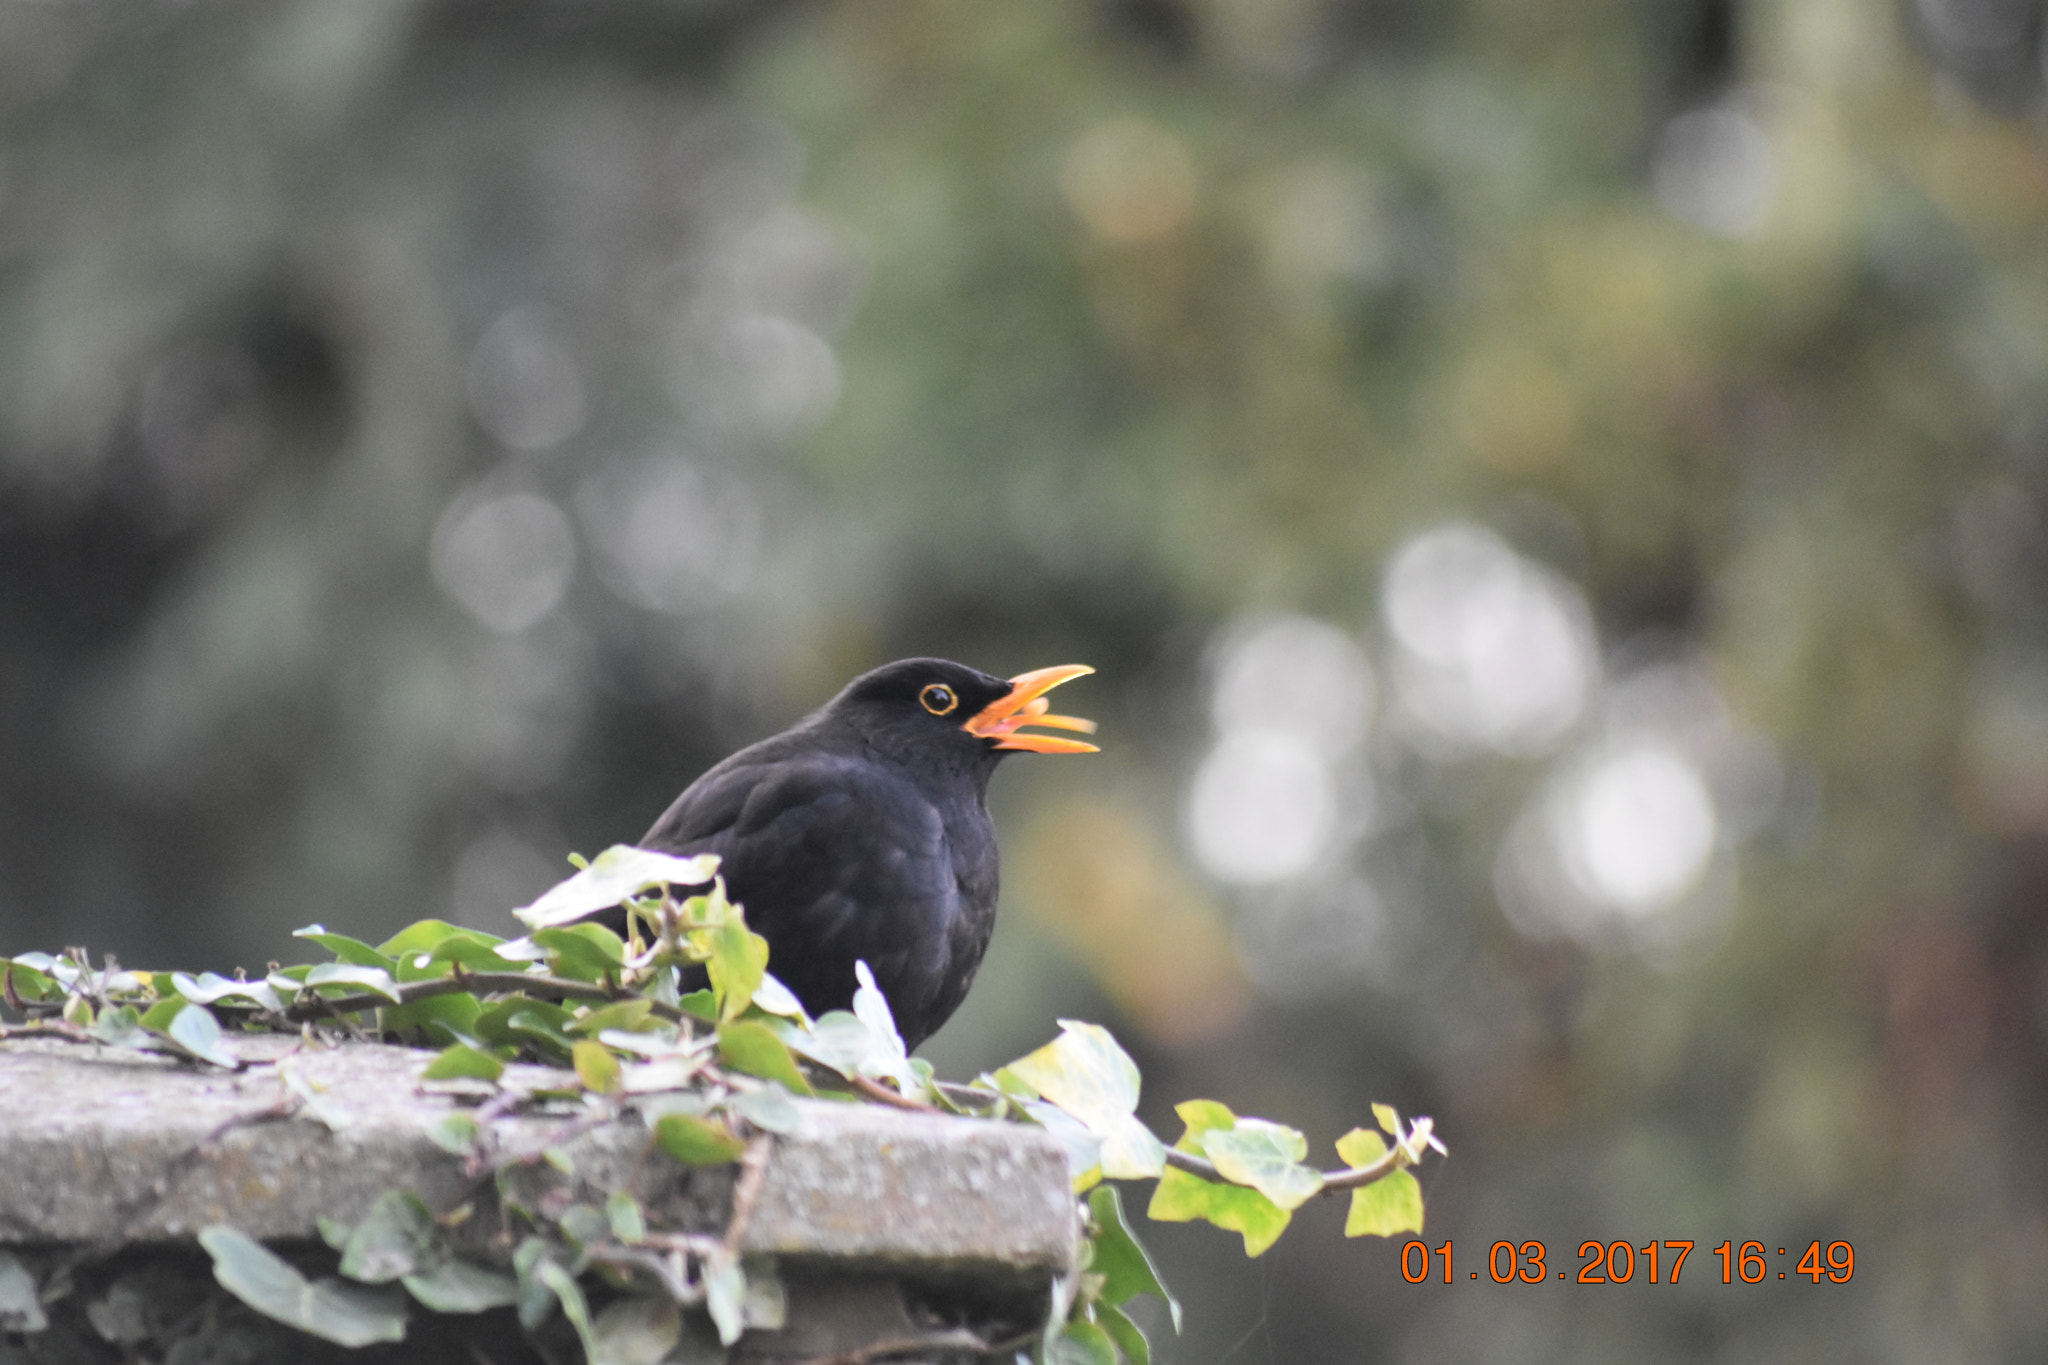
x=1003, y=720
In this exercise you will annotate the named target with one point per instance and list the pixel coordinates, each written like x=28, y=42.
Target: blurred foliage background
x=1554, y=492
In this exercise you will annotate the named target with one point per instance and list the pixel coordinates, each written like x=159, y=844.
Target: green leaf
x=21, y=1308
x=775, y=998
x=207, y=987
x=30, y=983
x=575, y=1307
x=540, y=1023
x=454, y=1132
x=431, y=936
x=197, y=1032
x=122, y=1027
x=397, y=1237
x=725, y=1296
x=1180, y=1197
x=445, y=1018
x=1360, y=1147
x=767, y=1302
x=1082, y=1343
x=376, y=980
x=1267, y=1157
x=769, y=1108
x=628, y=1222
x=462, y=1287
x=494, y=1024
x=702, y=1003
x=465, y=1062
x=346, y=1314
x=635, y=1015
x=618, y=873
x=1391, y=1204
x=344, y=948
x=640, y=1330
x=749, y=1046
x=1126, y=1334
x=582, y=952
x=1125, y=1266
x=158, y=1017
x=1388, y=1118
x=739, y=957
x=585, y=1224
x=595, y=1066
x=536, y=1300
x=697, y=1141
x=1086, y=1073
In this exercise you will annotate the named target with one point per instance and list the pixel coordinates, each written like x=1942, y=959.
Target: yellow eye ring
x=938, y=699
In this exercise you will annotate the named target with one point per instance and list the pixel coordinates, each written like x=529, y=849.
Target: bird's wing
x=835, y=860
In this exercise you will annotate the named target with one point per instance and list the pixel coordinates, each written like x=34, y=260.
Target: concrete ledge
x=100, y=1147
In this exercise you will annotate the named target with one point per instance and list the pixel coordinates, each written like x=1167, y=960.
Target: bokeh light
x=1495, y=652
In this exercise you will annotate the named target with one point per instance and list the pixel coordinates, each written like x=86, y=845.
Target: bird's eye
x=938, y=699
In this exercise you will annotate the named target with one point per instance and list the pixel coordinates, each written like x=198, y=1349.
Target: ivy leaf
x=462, y=1287
x=628, y=1221
x=454, y=1133
x=345, y=1314
x=1082, y=1148
x=461, y=1061
x=696, y=1141
x=376, y=980
x=1125, y=1266
x=397, y=1237
x=749, y=1045
x=195, y=1031
x=634, y=1015
x=738, y=961
x=21, y=1308
x=1125, y=1333
x=1082, y=1343
x=1391, y=1204
x=775, y=998
x=725, y=1295
x=617, y=874
x=886, y=1054
x=1267, y=1157
x=28, y=982
x=427, y=936
x=446, y=1018
x=1087, y=1074
x=119, y=1027
x=207, y=987
x=1180, y=1197
x=582, y=952
x=639, y=1330
x=769, y=1108
x=344, y=948
x=595, y=1066
x=569, y=1294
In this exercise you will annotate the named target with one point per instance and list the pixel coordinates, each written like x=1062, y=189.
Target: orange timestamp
x=1620, y=1262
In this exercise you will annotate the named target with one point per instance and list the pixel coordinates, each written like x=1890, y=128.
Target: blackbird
x=862, y=833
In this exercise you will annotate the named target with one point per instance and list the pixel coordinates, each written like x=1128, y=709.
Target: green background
x=431, y=433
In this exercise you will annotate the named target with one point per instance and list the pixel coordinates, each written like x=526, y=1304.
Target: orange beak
x=1003, y=719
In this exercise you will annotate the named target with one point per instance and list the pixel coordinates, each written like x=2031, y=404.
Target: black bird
x=862, y=833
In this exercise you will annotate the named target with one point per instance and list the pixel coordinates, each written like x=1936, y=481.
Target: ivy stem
x=1348, y=1178
x=316, y=1007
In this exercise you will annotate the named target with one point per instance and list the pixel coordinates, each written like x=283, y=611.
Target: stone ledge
x=103, y=1147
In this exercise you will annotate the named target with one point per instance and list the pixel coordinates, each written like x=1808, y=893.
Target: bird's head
x=935, y=705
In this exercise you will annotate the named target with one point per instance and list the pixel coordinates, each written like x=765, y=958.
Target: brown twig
x=952, y=1339
x=315, y=1006
x=875, y=1090
x=746, y=1190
